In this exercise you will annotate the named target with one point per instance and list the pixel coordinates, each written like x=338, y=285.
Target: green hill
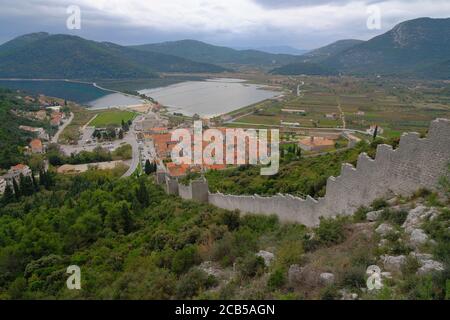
x=439, y=70
x=306, y=68
x=207, y=53
x=330, y=50
x=62, y=56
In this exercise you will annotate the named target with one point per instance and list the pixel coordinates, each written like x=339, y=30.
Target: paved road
x=55, y=138
x=135, y=153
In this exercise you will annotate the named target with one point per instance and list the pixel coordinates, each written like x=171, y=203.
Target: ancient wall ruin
x=416, y=163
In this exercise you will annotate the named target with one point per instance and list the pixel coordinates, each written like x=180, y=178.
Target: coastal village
x=148, y=132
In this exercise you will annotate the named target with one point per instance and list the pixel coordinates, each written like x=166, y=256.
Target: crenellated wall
x=416, y=163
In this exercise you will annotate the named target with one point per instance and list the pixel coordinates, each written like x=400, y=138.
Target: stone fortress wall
x=416, y=163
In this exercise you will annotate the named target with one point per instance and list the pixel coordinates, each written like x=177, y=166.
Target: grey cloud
x=25, y=16
x=277, y=4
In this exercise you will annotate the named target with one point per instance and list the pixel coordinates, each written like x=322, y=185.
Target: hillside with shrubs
x=132, y=241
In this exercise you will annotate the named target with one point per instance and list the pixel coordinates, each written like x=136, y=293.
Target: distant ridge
x=330, y=50
x=208, y=53
x=41, y=55
x=414, y=48
x=411, y=47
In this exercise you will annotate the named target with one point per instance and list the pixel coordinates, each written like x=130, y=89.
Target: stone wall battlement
x=416, y=163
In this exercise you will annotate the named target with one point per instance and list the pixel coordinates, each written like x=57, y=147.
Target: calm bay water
x=82, y=93
x=209, y=98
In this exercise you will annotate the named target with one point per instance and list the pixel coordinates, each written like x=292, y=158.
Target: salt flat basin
x=209, y=98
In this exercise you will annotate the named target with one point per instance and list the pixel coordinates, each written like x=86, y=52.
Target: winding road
x=55, y=138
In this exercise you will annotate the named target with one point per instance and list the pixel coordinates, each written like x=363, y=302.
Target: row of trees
x=150, y=167
x=27, y=186
x=108, y=134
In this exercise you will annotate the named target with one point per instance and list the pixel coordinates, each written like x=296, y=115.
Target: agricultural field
x=394, y=105
x=112, y=117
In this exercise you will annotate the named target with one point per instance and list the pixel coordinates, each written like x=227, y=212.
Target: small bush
x=354, y=277
x=251, y=266
x=230, y=219
x=289, y=252
x=277, y=279
x=362, y=257
x=411, y=266
x=329, y=293
x=259, y=223
x=421, y=193
x=330, y=231
x=379, y=204
x=194, y=282
x=360, y=214
x=433, y=200
x=396, y=217
x=234, y=245
x=185, y=259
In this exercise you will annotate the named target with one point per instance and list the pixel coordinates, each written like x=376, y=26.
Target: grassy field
x=81, y=116
x=112, y=118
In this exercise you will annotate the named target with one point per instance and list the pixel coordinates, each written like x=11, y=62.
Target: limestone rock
x=418, y=237
x=384, y=229
x=421, y=257
x=345, y=295
x=267, y=256
x=214, y=269
x=327, y=278
x=392, y=201
x=295, y=274
x=416, y=216
x=434, y=214
x=430, y=266
x=393, y=263
x=373, y=215
x=383, y=242
x=304, y=276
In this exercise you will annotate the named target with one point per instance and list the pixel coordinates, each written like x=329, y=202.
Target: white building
x=15, y=172
x=54, y=108
x=371, y=130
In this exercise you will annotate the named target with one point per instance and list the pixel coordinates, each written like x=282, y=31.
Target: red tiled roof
x=19, y=166
x=36, y=143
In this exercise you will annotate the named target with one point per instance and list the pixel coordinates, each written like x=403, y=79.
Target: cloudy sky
x=303, y=24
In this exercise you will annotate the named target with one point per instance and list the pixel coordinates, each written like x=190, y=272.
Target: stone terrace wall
x=416, y=163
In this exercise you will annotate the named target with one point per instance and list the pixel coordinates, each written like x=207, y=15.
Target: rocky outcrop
x=384, y=229
x=418, y=237
x=267, y=256
x=393, y=263
x=373, y=215
x=327, y=278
